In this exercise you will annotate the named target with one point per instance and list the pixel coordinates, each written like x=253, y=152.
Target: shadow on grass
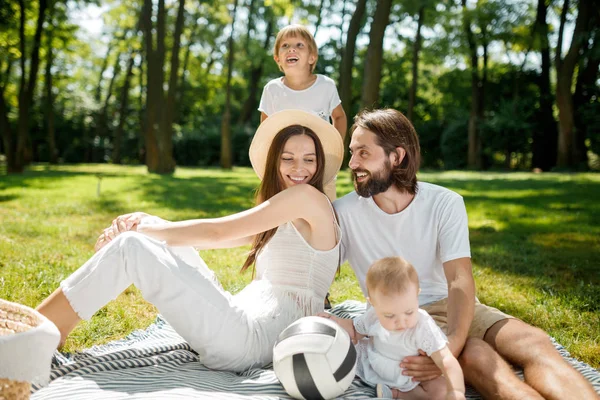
x=42, y=179
x=544, y=229
x=202, y=196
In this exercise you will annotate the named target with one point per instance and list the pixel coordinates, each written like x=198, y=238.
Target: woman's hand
x=127, y=222
x=101, y=241
x=123, y=223
x=345, y=323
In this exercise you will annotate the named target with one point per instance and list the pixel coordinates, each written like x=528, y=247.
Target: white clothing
x=380, y=354
x=228, y=332
x=430, y=231
x=320, y=98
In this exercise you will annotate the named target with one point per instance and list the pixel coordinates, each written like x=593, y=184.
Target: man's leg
x=490, y=375
x=545, y=369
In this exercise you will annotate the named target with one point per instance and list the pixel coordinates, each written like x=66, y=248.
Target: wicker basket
x=16, y=319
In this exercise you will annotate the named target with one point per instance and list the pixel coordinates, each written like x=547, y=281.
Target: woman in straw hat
x=295, y=249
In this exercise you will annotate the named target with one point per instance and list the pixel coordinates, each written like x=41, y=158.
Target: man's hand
x=455, y=395
x=420, y=368
x=345, y=323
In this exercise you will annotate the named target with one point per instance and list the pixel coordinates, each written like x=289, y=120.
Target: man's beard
x=377, y=182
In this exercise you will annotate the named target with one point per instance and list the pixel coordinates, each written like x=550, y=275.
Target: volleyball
x=314, y=358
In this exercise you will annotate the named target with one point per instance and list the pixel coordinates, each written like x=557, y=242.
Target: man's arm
x=461, y=305
x=461, y=302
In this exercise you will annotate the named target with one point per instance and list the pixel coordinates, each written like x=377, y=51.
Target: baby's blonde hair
x=295, y=31
x=391, y=275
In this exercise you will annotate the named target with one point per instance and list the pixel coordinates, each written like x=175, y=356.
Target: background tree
x=160, y=97
x=569, y=155
x=372, y=74
x=159, y=110
x=545, y=133
x=226, y=151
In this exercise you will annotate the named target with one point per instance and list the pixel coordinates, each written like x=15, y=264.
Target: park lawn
x=535, y=239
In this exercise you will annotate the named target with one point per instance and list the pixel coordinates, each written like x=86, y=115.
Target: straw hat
x=333, y=147
x=27, y=342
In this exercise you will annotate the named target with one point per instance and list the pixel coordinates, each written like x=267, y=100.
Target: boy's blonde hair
x=295, y=31
x=391, y=275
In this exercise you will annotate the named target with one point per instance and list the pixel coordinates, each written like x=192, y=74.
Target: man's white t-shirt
x=430, y=231
x=320, y=98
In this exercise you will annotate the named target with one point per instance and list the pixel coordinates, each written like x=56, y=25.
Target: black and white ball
x=314, y=358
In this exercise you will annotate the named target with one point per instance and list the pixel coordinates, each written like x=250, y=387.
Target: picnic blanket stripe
x=158, y=363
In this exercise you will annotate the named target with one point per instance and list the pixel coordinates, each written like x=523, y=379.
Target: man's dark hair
x=394, y=130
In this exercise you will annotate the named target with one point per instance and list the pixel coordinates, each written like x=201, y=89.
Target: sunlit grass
x=535, y=239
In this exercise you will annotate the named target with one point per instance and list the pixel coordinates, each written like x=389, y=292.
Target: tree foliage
x=162, y=88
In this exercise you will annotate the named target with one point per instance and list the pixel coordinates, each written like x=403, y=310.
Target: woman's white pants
x=180, y=285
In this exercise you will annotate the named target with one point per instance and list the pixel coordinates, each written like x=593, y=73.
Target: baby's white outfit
x=231, y=332
x=380, y=354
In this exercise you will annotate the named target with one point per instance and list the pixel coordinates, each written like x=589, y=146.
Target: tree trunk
x=7, y=135
x=584, y=92
x=182, y=86
x=6, y=132
x=343, y=34
x=159, y=154
x=545, y=137
x=565, y=68
x=103, y=115
x=473, y=159
x=250, y=105
x=142, y=112
x=53, y=153
x=250, y=29
x=347, y=62
x=98, y=92
x=23, y=150
x=412, y=96
x=372, y=74
x=173, y=77
x=226, y=147
x=319, y=18
x=116, y=155
x=480, y=162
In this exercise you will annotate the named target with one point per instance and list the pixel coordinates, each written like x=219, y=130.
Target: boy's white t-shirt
x=320, y=98
x=432, y=230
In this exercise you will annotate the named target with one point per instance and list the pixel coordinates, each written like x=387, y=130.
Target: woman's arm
x=302, y=201
x=346, y=323
x=450, y=367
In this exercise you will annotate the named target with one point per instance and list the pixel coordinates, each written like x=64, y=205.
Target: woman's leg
x=57, y=309
x=187, y=296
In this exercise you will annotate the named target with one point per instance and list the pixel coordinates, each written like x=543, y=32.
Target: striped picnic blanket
x=157, y=363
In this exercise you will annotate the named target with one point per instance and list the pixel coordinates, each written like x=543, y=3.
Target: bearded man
x=392, y=214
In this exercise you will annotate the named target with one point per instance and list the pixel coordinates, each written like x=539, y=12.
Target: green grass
x=535, y=240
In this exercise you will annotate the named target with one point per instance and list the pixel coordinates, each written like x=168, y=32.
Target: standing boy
x=296, y=54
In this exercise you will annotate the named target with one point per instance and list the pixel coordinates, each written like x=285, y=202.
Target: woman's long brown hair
x=272, y=182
